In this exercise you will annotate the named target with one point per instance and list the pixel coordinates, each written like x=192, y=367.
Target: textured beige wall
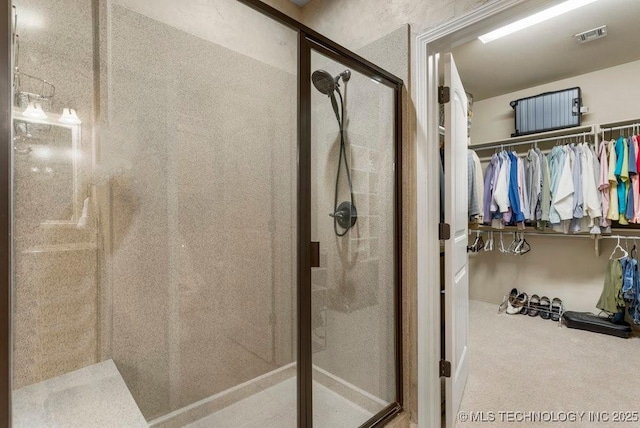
x=55, y=324
x=230, y=24
x=566, y=268
x=198, y=143
x=356, y=23
x=611, y=94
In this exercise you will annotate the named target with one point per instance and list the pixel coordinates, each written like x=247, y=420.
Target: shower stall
x=201, y=222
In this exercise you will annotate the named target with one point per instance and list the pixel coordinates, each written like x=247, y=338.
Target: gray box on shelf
x=547, y=112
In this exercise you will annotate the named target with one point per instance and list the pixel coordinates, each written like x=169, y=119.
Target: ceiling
x=547, y=51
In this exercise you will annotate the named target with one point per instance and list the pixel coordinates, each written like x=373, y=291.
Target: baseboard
x=212, y=404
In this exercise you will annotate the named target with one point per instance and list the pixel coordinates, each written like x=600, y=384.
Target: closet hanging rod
x=529, y=142
x=510, y=232
x=557, y=235
x=617, y=128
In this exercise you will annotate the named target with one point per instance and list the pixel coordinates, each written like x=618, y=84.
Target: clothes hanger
x=489, y=244
x=526, y=247
x=523, y=246
x=501, y=247
x=621, y=249
x=516, y=250
x=480, y=244
x=513, y=244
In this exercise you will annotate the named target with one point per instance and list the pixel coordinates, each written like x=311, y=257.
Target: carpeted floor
x=524, y=364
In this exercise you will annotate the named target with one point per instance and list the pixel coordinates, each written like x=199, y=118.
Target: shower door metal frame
x=6, y=152
x=308, y=41
x=306, y=45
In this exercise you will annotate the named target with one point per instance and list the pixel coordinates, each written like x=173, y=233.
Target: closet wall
x=612, y=95
x=557, y=266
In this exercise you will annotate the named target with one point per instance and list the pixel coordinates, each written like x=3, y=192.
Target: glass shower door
x=353, y=291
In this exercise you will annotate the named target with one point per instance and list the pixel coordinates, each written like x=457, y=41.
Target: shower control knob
x=345, y=215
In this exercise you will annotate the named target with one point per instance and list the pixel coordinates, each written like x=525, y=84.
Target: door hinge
x=444, y=94
x=445, y=368
x=444, y=231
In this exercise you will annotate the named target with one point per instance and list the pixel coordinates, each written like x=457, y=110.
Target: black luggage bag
x=596, y=324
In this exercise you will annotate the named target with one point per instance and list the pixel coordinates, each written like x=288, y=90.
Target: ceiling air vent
x=591, y=35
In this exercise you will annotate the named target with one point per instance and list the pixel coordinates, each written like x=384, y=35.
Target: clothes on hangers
x=603, y=183
x=635, y=182
x=629, y=214
x=472, y=205
x=489, y=188
x=501, y=194
x=522, y=189
x=479, y=183
x=545, y=196
x=591, y=202
x=575, y=154
x=533, y=183
x=514, y=189
x=622, y=177
x=611, y=298
x=576, y=187
x=612, y=212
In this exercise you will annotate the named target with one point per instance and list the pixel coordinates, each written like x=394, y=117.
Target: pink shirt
x=635, y=185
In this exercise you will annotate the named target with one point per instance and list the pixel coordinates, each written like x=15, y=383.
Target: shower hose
x=343, y=155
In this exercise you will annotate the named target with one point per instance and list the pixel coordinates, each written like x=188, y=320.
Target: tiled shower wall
x=198, y=150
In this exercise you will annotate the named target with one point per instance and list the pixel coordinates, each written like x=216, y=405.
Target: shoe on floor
x=545, y=308
x=516, y=305
x=557, y=308
x=534, y=303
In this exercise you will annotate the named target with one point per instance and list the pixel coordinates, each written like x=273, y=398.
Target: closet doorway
x=546, y=57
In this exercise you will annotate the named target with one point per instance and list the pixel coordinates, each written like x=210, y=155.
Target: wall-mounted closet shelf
x=578, y=131
x=541, y=137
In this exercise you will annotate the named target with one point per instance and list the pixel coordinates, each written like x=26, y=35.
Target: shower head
x=323, y=81
x=326, y=83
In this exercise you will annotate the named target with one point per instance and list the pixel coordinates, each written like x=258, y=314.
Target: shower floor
x=275, y=407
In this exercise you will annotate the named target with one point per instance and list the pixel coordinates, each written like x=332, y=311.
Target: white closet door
x=456, y=262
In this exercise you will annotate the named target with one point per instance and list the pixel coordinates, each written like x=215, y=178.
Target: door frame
x=307, y=39
x=426, y=50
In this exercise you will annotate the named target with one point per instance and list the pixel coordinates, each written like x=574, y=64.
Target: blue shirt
x=514, y=196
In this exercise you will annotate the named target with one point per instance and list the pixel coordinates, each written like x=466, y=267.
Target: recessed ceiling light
x=534, y=19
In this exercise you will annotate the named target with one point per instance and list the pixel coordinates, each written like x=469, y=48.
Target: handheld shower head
x=323, y=81
x=326, y=83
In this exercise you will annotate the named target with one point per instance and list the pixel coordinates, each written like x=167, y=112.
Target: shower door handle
x=315, y=254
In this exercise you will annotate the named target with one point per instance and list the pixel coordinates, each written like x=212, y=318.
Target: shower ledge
x=94, y=396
